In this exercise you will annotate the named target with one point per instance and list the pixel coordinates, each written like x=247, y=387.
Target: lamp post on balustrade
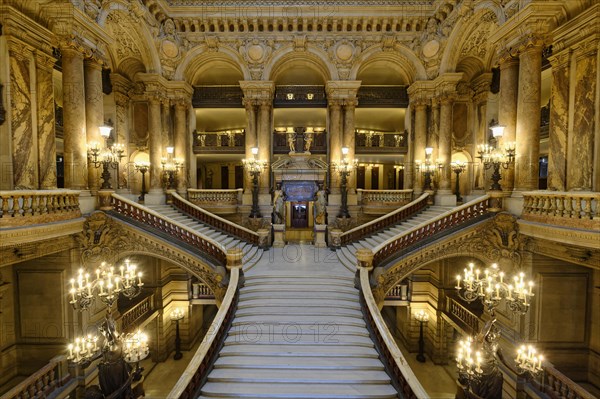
x=143, y=168
x=254, y=167
x=422, y=317
x=493, y=157
x=107, y=157
x=177, y=316
x=458, y=167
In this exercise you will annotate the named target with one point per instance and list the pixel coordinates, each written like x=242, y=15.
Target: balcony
x=379, y=142
x=226, y=142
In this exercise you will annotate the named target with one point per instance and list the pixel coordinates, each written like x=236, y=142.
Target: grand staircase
x=251, y=253
x=346, y=253
x=298, y=333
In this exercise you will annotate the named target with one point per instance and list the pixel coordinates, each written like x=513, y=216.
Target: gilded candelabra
x=254, y=167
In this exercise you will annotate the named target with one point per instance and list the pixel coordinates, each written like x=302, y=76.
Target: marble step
x=275, y=288
x=301, y=278
x=298, y=283
x=310, y=302
x=296, y=310
x=293, y=337
x=298, y=391
x=296, y=363
x=288, y=349
x=327, y=329
x=299, y=320
x=299, y=376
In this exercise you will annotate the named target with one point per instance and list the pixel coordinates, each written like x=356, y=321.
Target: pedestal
x=335, y=240
x=264, y=238
x=320, y=231
x=104, y=200
x=279, y=235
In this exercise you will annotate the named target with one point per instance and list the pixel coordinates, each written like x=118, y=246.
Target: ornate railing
x=229, y=141
x=149, y=218
x=219, y=201
x=396, y=246
x=137, y=314
x=44, y=382
x=572, y=209
x=384, y=197
x=21, y=207
x=215, y=221
x=461, y=314
x=398, y=292
x=197, y=370
x=381, y=142
x=560, y=386
x=384, y=221
x=402, y=376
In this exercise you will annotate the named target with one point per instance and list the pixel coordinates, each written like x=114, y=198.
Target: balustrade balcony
x=568, y=209
x=370, y=142
x=227, y=142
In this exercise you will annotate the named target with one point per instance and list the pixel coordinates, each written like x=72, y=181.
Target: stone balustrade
x=28, y=207
x=464, y=316
x=570, y=209
x=384, y=197
x=558, y=385
x=138, y=313
x=218, y=201
x=47, y=381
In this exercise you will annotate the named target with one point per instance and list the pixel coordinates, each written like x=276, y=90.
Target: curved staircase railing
x=152, y=219
x=396, y=246
x=194, y=376
x=215, y=221
x=403, y=378
x=384, y=221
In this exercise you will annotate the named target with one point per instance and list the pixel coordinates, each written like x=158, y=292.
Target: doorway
x=299, y=214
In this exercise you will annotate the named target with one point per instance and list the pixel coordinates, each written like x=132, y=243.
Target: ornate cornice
x=24, y=32
x=342, y=89
x=258, y=89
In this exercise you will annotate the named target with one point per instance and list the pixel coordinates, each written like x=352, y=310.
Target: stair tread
x=268, y=390
x=306, y=362
x=299, y=376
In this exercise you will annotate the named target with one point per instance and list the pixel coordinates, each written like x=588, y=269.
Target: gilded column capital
x=181, y=103
x=94, y=60
x=121, y=99
x=420, y=103
x=155, y=98
x=560, y=60
x=71, y=43
x=507, y=57
x=350, y=103
x=258, y=89
x=530, y=43
x=446, y=98
x=334, y=102
x=249, y=103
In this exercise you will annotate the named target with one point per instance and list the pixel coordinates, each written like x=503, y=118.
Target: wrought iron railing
x=24, y=207
x=215, y=221
x=396, y=246
x=154, y=220
x=384, y=221
x=396, y=365
x=571, y=209
x=197, y=370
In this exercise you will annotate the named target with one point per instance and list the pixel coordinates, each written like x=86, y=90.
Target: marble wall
x=559, y=118
x=45, y=122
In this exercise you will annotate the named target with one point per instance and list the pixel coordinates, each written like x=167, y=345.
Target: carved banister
x=557, y=385
x=461, y=314
x=28, y=207
x=137, y=313
x=215, y=221
x=384, y=221
x=202, y=197
x=140, y=214
x=396, y=365
x=395, y=246
x=570, y=209
x=384, y=197
x=195, y=374
x=47, y=380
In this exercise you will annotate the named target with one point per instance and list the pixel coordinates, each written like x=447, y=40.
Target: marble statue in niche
x=278, y=206
x=320, y=205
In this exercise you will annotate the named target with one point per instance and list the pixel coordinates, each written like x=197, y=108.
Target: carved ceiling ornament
x=477, y=43
x=496, y=240
x=105, y=239
x=125, y=45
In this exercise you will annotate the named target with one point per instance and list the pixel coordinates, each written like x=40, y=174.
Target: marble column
x=45, y=120
x=335, y=140
x=528, y=115
x=445, y=144
x=559, y=119
x=581, y=142
x=349, y=136
x=167, y=137
x=155, y=147
x=263, y=138
x=24, y=143
x=74, y=126
x=180, y=143
x=94, y=114
x=122, y=135
x=249, y=136
x=507, y=110
x=479, y=137
x=420, y=142
x=433, y=133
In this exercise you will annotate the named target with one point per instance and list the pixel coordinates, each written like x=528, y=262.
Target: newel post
x=105, y=200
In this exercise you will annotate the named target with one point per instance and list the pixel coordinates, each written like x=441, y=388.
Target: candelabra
x=170, y=167
x=422, y=317
x=458, y=167
x=107, y=157
x=344, y=168
x=254, y=167
x=476, y=358
x=428, y=168
x=143, y=168
x=493, y=157
x=120, y=353
x=177, y=316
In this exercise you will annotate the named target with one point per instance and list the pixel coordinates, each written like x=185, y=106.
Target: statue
x=308, y=138
x=291, y=138
x=320, y=204
x=278, y=206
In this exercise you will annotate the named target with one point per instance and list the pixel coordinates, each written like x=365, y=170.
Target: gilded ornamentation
x=477, y=43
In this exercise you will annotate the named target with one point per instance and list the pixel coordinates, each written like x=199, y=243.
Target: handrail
x=195, y=374
x=137, y=313
x=384, y=221
x=383, y=196
x=451, y=218
x=20, y=207
x=573, y=209
x=214, y=221
x=403, y=377
x=174, y=229
x=212, y=194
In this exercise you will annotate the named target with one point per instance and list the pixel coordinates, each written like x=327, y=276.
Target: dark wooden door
x=360, y=177
x=299, y=214
x=239, y=176
x=224, y=176
x=375, y=178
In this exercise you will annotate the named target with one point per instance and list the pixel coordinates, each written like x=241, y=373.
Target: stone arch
x=406, y=60
x=471, y=67
x=200, y=57
x=464, y=29
x=313, y=58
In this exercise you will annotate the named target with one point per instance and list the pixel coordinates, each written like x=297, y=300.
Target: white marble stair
x=251, y=253
x=298, y=332
x=346, y=253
